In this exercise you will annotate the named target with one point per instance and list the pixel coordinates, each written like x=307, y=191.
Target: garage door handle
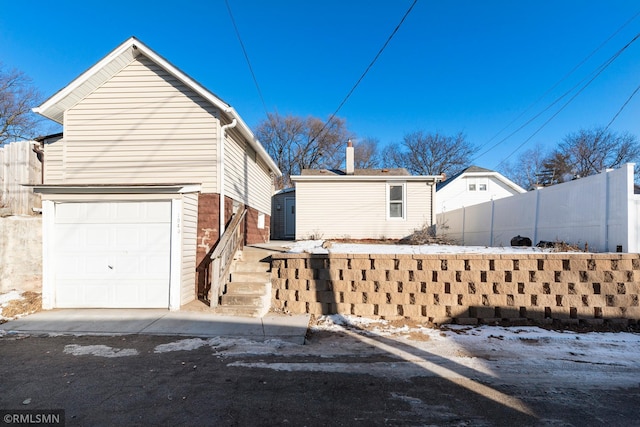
x=110, y=267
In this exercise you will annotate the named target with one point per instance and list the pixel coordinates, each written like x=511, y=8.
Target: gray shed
x=283, y=214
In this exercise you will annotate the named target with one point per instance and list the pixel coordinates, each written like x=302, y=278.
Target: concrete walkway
x=160, y=322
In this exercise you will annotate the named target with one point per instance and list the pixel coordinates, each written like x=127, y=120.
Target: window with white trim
x=477, y=184
x=396, y=201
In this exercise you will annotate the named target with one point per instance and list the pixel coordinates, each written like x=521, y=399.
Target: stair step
x=244, y=311
x=249, y=291
x=247, y=288
x=239, y=299
x=250, y=267
x=255, y=255
x=250, y=276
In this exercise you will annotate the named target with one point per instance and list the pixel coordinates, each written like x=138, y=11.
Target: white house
x=472, y=186
x=362, y=203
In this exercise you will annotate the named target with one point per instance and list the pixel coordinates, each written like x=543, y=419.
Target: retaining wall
x=20, y=253
x=469, y=289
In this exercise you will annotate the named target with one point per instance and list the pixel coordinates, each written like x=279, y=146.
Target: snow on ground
x=5, y=299
x=99, y=350
x=9, y=296
x=489, y=354
x=320, y=247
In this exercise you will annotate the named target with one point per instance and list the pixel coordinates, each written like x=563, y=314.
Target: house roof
x=359, y=172
x=476, y=171
x=54, y=107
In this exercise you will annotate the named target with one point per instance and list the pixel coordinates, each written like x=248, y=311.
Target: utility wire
x=544, y=95
x=246, y=56
x=333, y=115
x=622, y=108
x=602, y=68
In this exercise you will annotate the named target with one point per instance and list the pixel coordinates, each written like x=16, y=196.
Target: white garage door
x=112, y=255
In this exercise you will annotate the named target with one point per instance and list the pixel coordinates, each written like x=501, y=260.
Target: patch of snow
x=99, y=350
x=226, y=346
x=9, y=296
x=182, y=345
x=316, y=247
x=308, y=246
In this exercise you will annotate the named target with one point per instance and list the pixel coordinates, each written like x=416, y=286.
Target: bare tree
x=366, y=154
x=297, y=143
x=588, y=152
x=431, y=153
x=529, y=168
x=17, y=97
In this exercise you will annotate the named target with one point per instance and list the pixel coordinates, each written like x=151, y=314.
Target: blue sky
x=454, y=66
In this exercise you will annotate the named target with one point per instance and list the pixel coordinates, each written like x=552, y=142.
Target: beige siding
x=141, y=126
x=54, y=162
x=357, y=210
x=247, y=177
x=189, y=229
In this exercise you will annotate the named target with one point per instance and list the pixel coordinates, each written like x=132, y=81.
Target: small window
x=482, y=187
x=472, y=187
x=396, y=200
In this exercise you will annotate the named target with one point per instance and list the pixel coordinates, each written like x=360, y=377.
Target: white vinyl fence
x=19, y=165
x=599, y=211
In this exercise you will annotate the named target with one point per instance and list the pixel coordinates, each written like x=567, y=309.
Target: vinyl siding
x=456, y=194
x=53, y=162
x=358, y=210
x=247, y=177
x=141, y=126
x=189, y=228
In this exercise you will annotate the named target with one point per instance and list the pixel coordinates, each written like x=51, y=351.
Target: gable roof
x=54, y=107
x=476, y=171
x=360, y=172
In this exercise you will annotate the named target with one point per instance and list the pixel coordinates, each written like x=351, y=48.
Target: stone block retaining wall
x=469, y=289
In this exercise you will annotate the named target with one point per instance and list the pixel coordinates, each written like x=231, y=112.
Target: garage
x=114, y=254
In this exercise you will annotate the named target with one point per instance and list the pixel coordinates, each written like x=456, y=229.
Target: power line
x=246, y=56
x=602, y=68
x=549, y=91
x=393, y=33
x=622, y=108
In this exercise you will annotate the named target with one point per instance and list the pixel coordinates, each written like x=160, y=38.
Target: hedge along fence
x=469, y=289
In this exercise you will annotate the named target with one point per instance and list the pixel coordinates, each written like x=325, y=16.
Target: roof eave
x=355, y=178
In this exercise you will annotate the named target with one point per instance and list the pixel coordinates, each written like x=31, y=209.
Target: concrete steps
x=248, y=293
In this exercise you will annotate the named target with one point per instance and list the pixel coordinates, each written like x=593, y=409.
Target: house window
x=482, y=187
x=396, y=198
x=472, y=186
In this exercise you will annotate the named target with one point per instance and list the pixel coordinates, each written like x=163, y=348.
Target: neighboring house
x=362, y=203
x=472, y=186
x=141, y=183
x=283, y=214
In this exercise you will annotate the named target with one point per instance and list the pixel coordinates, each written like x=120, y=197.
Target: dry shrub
x=30, y=302
x=425, y=235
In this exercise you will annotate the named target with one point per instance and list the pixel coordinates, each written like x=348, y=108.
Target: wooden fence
x=19, y=166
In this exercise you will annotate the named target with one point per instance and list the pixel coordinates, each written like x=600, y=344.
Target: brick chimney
x=349, y=161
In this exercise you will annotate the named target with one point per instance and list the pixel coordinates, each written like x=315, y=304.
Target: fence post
x=536, y=215
x=491, y=227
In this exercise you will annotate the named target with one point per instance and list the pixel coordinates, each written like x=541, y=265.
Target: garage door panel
x=115, y=254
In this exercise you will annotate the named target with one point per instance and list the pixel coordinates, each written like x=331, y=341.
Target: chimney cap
x=349, y=143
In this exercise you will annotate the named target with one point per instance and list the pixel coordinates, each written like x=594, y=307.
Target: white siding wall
x=141, y=126
x=189, y=239
x=247, y=178
x=357, y=210
x=456, y=194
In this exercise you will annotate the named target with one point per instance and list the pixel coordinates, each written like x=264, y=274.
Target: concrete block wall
x=21, y=253
x=468, y=289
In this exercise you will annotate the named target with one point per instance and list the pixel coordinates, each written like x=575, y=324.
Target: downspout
x=223, y=130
